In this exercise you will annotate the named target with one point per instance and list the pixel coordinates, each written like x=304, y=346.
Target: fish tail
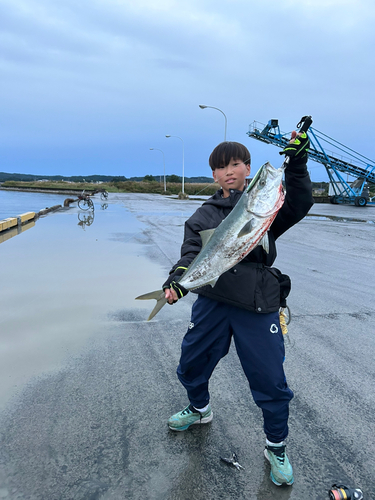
x=159, y=296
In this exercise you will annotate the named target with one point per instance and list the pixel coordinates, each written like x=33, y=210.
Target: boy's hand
x=175, y=292
x=170, y=295
x=172, y=289
x=297, y=147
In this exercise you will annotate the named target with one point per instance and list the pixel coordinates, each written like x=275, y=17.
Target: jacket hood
x=218, y=201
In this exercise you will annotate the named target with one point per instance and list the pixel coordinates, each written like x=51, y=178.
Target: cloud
x=90, y=76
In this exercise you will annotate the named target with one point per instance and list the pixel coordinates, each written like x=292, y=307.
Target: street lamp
x=202, y=106
x=183, y=178
x=156, y=149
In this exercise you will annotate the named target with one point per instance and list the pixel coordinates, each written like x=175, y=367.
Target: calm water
x=66, y=283
x=13, y=203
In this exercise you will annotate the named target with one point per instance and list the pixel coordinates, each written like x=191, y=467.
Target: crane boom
x=357, y=165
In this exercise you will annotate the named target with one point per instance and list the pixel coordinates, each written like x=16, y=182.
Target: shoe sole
x=289, y=483
x=205, y=420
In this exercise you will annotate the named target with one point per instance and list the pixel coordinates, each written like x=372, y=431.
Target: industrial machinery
x=353, y=164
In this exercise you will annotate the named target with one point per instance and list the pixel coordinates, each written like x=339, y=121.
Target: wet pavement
x=87, y=384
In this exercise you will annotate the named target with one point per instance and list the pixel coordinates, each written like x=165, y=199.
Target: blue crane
x=356, y=165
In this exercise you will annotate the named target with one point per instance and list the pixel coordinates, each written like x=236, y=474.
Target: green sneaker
x=189, y=416
x=281, y=470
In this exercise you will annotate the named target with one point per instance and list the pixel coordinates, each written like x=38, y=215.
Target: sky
x=89, y=86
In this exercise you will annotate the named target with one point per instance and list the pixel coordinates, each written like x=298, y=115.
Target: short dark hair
x=225, y=151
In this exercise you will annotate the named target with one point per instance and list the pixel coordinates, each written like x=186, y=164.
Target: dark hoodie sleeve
x=298, y=199
x=192, y=243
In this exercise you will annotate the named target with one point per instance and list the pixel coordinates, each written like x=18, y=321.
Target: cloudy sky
x=89, y=86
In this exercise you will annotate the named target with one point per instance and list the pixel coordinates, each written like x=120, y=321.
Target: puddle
x=336, y=218
x=62, y=283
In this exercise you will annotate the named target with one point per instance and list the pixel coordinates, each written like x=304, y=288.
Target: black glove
x=297, y=149
x=179, y=289
x=172, y=283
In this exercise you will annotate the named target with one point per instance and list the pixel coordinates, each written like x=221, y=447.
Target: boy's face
x=232, y=176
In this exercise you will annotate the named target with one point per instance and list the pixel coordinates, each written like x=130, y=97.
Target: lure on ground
x=232, y=461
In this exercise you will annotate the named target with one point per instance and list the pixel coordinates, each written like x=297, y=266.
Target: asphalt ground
x=87, y=385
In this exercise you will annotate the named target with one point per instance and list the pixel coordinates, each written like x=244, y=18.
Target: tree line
x=4, y=176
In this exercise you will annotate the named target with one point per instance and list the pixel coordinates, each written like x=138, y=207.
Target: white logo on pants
x=191, y=325
x=274, y=328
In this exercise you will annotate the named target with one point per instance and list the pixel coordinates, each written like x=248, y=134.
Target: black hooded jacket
x=252, y=283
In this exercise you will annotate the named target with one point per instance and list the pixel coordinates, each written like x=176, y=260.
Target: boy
x=244, y=303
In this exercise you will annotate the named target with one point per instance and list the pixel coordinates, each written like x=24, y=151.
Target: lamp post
x=203, y=106
x=183, y=178
x=156, y=149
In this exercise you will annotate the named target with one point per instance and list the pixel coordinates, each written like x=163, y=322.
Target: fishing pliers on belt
x=232, y=461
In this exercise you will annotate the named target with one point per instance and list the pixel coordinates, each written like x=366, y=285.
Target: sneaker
x=281, y=470
x=189, y=416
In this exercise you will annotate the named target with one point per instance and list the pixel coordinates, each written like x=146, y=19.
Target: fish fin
x=151, y=295
x=206, y=236
x=213, y=282
x=159, y=296
x=246, y=229
x=265, y=243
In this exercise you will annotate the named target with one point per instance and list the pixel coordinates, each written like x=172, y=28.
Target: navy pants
x=260, y=347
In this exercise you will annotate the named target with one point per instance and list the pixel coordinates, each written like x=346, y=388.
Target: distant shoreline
x=150, y=187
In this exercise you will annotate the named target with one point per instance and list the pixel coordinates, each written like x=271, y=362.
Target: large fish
x=236, y=236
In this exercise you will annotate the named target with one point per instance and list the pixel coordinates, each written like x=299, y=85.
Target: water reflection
x=60, y=286
x=85, y=219
x=14, y=231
